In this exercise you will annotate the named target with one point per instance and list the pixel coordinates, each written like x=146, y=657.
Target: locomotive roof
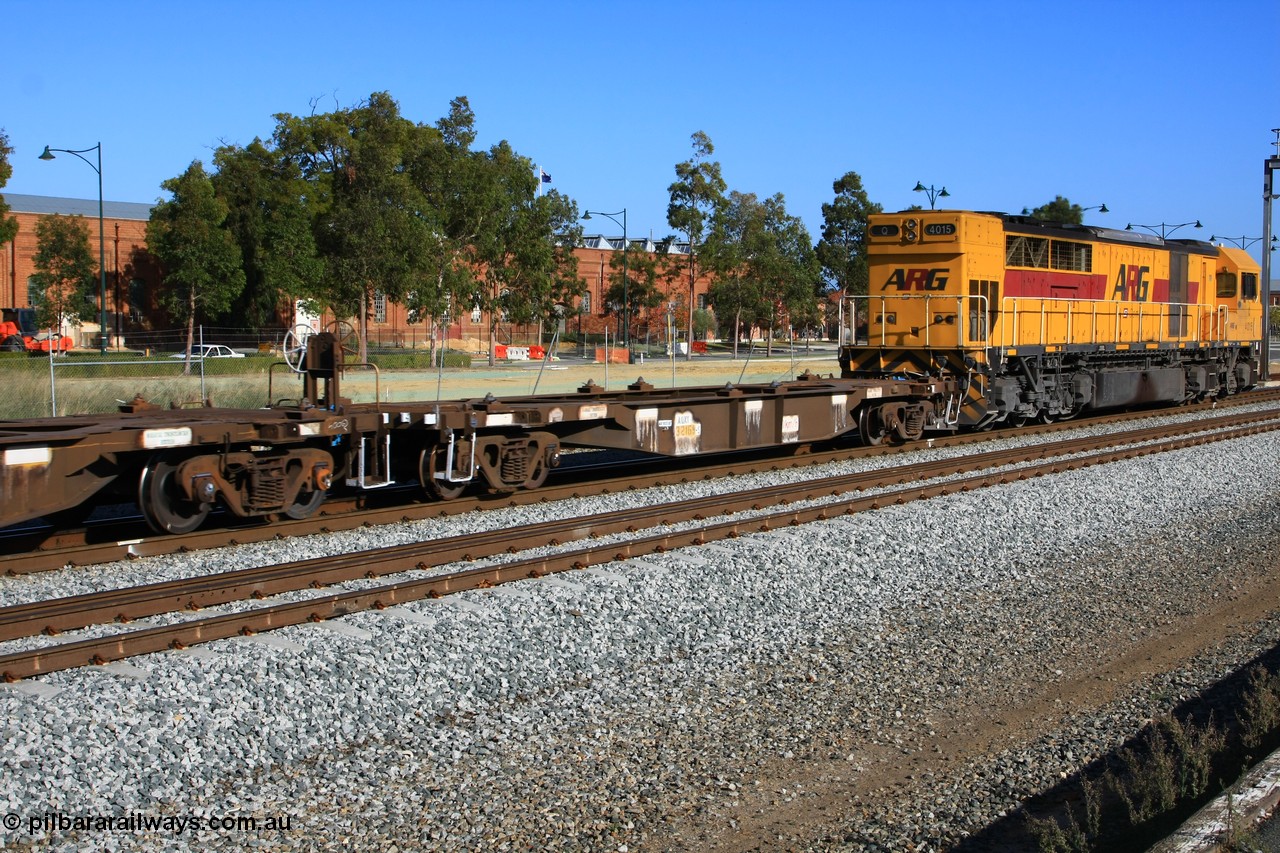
x=1071, y=231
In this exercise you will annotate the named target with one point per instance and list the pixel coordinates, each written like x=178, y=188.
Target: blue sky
x=1162, y=110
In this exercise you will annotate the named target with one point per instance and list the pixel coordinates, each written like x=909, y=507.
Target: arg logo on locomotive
x=917, y=279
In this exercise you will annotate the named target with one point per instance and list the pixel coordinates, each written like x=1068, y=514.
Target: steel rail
x=43, y=552
x=100, y=650
x=126, y=604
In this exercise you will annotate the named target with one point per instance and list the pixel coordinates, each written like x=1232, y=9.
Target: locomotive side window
x=1066, y=255
x=1249, y=285
x=1021, y=251
x=1226, y=285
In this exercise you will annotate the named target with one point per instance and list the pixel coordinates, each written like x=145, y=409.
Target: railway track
x=821, y=499
x=37, y=548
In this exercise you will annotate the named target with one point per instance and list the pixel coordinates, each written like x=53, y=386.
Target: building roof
x=46, y=205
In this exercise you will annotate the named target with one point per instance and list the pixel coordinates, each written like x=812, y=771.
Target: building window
x=702, y=302
x=584, y=307
x=137, y=300
x=34, y=294
x=475, y=313
x=379, y=307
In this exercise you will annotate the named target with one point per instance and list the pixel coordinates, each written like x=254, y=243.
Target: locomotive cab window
x=1249, y=285
x=1226, y=285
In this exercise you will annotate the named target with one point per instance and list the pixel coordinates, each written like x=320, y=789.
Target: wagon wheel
x=308, y=502
x=163, y=504
x=540, y=469
x=295, y=346
x=430, y=463
x=346, y=335
x=870, y=430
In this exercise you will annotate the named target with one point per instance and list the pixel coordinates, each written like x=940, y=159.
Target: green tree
x=494, y=242
x=767, y=271
x=639, y=290
x=66, y=272
x=697, y=194
x=8, y=224
x=201, y=261
x=267, y=214
x=366, y=226
x=445, y=172
x=704, y=321
x=526, y=255
x=736, y=292
x=1059, y=210
x=842, y=250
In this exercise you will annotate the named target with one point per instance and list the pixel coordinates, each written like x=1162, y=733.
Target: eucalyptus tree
x=366, y=223
x=736, y=291
x=842, y=250
x=8, y=224
x=697, y=194
x=765, y=266
x=66, y=276
x=267, y=202
x=200, y=258
x=1059, y=210
x=526, y=258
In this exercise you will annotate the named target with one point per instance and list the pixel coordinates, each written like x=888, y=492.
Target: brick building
x=133, y=279
x=132, y=274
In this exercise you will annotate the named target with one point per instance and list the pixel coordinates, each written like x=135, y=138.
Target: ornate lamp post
x=626, y=304
x=1241, y=242
x=47, y=154
x=1163, y=230
x=933, y=193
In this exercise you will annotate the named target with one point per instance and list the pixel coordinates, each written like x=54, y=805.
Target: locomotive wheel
x=431, y=462
x=306, y=504
x=163, y=504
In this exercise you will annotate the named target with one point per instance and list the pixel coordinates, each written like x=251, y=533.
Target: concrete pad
x=126, y=670
x=563, y=583
x=34, y=689
x=337, y=626
x=407, y=615
x=271, y=641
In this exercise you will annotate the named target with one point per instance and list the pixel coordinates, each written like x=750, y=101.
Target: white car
x=209, y=351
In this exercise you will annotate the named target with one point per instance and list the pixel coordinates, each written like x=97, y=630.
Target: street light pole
x=47, y=154
x=626, y=304
x=1269, y=168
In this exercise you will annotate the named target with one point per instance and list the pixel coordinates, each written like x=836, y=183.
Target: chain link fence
x=228, y=367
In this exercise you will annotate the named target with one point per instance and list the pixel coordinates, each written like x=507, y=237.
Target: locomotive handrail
x=975, y=328
x=964, y=320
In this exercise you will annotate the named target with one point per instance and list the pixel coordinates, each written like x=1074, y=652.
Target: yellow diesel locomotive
x=1016, y=318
